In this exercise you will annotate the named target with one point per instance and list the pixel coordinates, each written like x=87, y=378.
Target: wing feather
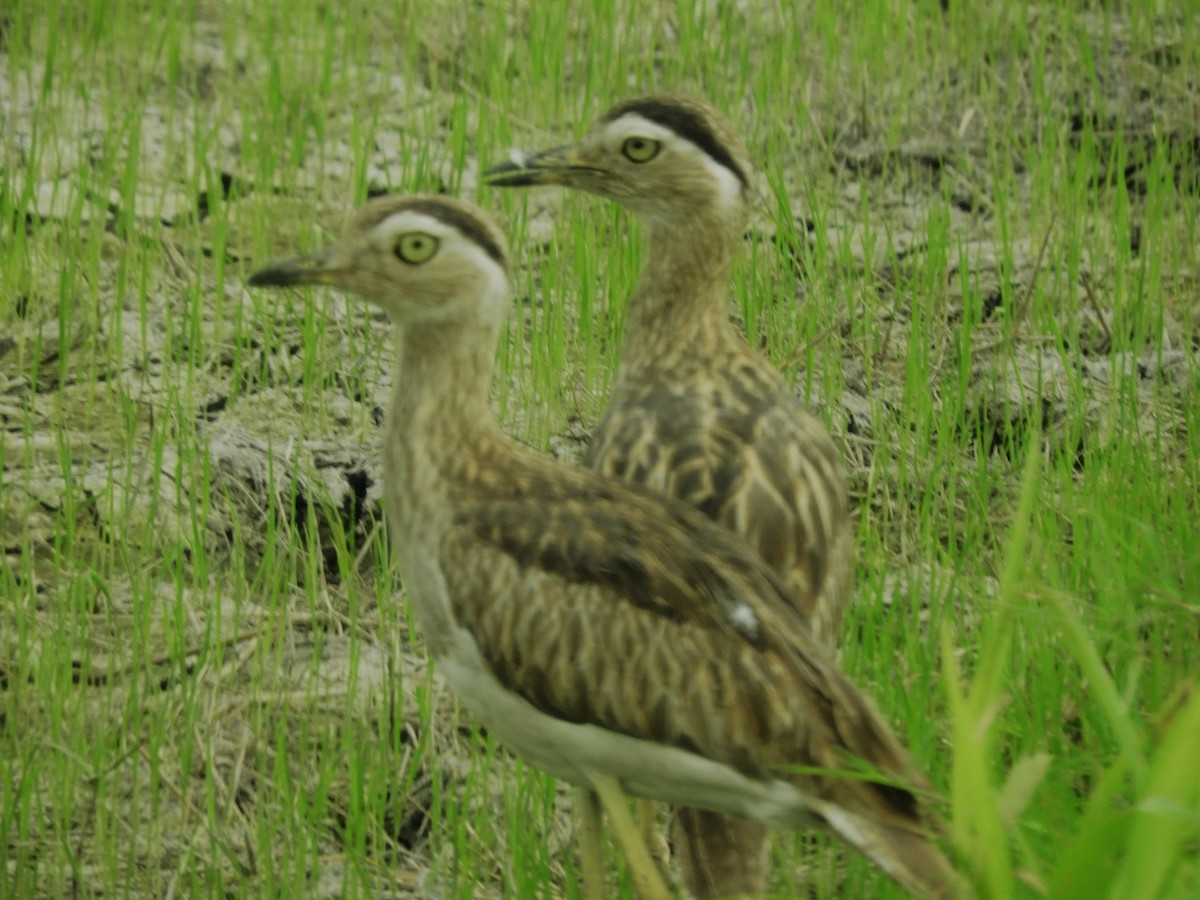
x=608, y=611
x=753, y=459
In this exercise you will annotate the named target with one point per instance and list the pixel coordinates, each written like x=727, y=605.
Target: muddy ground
x=73, y=418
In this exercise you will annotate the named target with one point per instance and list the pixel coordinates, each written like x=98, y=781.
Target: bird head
x=668, y=159
x=420, y=258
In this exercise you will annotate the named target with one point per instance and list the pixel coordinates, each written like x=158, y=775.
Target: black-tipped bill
x=313, y=268
x=553, y=166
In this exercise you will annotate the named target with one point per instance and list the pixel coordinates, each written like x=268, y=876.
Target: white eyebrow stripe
x=729, y=187
x=410, y=220
x=634, y=125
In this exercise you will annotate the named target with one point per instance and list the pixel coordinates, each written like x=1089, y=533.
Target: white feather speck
x=743, y=620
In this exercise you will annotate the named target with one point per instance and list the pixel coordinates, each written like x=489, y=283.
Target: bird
x=611, y=636
x=695, y=412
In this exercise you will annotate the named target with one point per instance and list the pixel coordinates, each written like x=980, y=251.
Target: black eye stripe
x=467, y=224
x=450, y=215
x=686, y=124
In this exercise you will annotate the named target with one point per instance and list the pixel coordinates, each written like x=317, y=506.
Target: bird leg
x=647, y=882
x=591, y=847
x=721, y=856
x=652, y=836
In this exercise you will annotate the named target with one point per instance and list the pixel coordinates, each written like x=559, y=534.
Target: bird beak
x=558, y=165
x=313, y=268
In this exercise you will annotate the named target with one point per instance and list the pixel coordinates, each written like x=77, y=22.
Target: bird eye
x=416, y=247
x=640, y=149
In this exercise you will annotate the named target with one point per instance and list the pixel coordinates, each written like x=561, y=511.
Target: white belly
x=571, y=751
x=643, y=768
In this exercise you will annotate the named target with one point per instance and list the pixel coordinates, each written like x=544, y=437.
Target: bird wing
x=604, y=609
x=757, y=462
x=789, y=503
x=609, y=610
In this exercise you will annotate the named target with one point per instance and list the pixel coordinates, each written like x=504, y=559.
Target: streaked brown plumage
x=694, y=412
x=608, y=635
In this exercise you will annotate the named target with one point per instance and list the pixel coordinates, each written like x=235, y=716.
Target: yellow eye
x=416, y=247
x=640, y=149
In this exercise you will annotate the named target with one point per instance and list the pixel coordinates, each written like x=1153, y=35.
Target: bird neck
x=439, y=421
x=679, y=302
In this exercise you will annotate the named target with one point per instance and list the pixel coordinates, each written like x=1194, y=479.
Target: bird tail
x=905, y=853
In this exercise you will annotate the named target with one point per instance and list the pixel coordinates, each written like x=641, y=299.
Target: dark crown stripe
x=687, y=124
x=455, y=218
x=464, y=222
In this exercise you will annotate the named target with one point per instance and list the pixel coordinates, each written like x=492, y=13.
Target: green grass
x=975, y=254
